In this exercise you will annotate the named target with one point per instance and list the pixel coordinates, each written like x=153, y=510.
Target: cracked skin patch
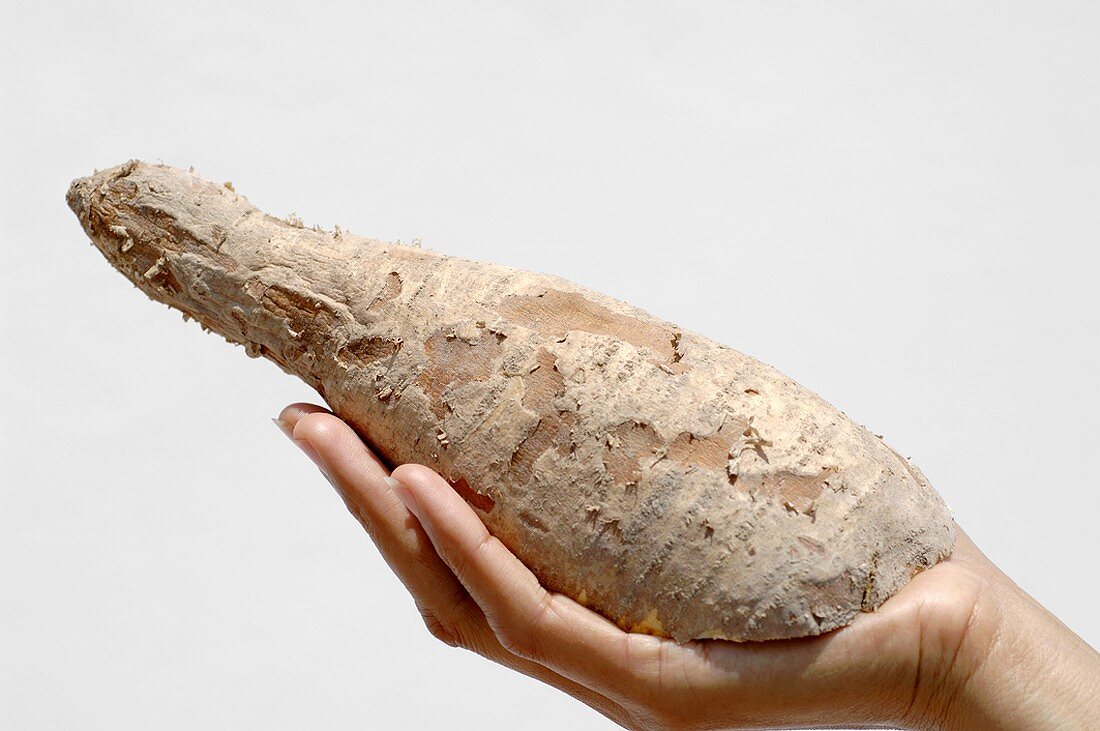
x=553, y=430
x=454, y=360
x=364, y=351
x=629, y=445
x=555, y=313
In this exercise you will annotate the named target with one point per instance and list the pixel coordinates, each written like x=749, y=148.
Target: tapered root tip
x=78, y=195
x=82, y=190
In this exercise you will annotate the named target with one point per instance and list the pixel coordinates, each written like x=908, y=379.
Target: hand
x=934, y=655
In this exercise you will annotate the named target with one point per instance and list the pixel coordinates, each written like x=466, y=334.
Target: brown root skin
x=674, y=485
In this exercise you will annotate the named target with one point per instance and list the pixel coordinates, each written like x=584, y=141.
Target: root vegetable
x=667, y=481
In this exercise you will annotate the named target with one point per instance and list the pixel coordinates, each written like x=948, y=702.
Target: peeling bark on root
x=666, y=481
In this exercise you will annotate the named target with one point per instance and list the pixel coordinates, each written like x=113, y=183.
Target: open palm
x=895, y=666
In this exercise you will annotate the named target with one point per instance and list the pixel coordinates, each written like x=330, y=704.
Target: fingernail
x=405, y=494
x=303, y=445
x=284, y=427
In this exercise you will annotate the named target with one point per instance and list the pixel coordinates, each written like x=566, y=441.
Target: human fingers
x=529, y=621
x=362, y=482
x=449, y=612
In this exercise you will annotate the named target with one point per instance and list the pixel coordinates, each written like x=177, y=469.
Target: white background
x=895, y=203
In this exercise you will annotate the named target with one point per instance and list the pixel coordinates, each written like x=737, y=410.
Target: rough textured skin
x=674, y=485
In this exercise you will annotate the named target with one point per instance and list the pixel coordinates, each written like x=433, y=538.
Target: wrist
x=1014, y=665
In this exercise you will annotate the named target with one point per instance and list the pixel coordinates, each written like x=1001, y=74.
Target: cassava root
x=666, y=481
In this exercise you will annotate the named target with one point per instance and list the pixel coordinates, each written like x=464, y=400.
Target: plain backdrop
x=894, y=203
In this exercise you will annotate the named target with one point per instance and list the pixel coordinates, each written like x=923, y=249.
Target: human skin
x=961, y=646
